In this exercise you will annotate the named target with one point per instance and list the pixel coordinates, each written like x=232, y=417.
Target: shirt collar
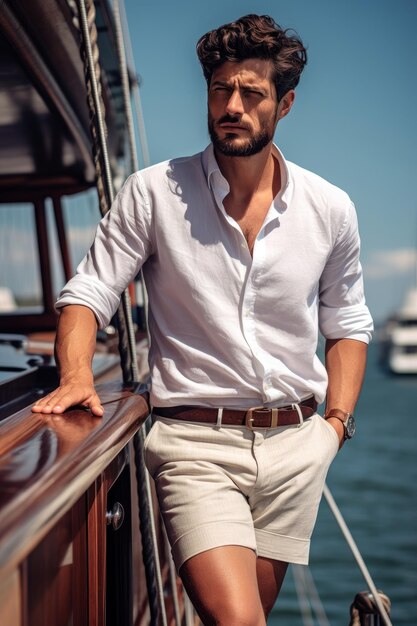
x=217, y=182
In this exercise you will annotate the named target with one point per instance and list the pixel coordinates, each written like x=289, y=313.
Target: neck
x=248, y=175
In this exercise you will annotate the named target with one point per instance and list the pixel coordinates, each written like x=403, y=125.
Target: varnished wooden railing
x=48, y=461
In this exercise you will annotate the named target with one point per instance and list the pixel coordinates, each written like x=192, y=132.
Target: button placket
x=262, y=357
x=248, y=314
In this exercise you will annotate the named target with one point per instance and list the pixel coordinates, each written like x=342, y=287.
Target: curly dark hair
x=255, y=36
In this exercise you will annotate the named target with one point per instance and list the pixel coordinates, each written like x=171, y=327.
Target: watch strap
x=345, y=417
x=342, y=415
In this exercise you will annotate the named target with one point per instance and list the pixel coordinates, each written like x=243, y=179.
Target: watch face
x=350, y=426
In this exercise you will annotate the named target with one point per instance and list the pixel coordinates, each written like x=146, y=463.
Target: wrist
x=337, y=412
x=84, y=377
x=343, y=417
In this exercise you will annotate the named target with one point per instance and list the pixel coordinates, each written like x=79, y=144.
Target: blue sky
x=353, y=122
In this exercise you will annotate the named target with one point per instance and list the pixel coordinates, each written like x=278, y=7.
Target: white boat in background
x=400, y=337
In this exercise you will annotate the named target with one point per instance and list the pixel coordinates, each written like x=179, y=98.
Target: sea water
x=374, y=482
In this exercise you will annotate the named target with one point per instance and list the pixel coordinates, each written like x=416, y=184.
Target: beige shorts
x=231, y=485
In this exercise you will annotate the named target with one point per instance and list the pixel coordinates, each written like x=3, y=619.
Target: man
x=245, y=256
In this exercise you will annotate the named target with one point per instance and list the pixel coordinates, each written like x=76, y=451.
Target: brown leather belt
x=257, y=417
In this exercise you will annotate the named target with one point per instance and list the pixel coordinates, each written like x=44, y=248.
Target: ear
x=285, y=104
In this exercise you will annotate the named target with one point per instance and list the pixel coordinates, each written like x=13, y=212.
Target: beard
x=246, y=148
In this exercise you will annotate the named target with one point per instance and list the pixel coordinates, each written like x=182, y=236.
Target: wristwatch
x=347, y=420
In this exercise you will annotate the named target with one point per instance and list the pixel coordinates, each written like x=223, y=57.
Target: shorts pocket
x=332, y=430
x=149, y=436
x=156, y=448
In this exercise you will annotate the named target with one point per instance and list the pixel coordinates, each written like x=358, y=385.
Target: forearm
x=75, y=343
x=345, y=365
x=74, y=350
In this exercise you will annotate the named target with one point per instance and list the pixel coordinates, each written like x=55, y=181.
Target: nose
x=235, y=105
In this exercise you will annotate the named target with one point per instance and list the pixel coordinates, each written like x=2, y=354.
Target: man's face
x=242, y=107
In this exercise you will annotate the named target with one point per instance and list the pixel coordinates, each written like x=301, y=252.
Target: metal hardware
x=347, y=420
x=249, y=419
x=116, y=516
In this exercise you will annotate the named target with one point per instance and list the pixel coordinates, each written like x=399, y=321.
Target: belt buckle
x=249, y=419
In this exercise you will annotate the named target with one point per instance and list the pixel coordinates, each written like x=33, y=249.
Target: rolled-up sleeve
x=342, y=309
x=121, y=245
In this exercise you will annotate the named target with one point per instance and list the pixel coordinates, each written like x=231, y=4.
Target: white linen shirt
x=228, y=329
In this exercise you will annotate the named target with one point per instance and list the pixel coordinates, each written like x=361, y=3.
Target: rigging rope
x=305, y=609
x=121, y=14
x=315, y=598
x=358, y=557
x=121, y=53
x=136, y=92
x=151, y=527
x=306, y=588
x=145, y=507
x=103, y=195
x=134, y=161
x=127, y=342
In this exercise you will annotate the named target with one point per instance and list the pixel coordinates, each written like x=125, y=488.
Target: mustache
x=229, y=119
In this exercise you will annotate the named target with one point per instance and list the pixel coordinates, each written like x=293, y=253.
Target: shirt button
x=243, y=245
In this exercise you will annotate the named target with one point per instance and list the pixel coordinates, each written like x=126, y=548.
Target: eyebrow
x=249, y=85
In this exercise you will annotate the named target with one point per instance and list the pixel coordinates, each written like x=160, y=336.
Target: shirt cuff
x=350, y=322
x=92, y=293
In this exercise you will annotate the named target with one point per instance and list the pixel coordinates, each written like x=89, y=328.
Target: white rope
x=355, y=551
x=305, y=610
x=316, y=603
